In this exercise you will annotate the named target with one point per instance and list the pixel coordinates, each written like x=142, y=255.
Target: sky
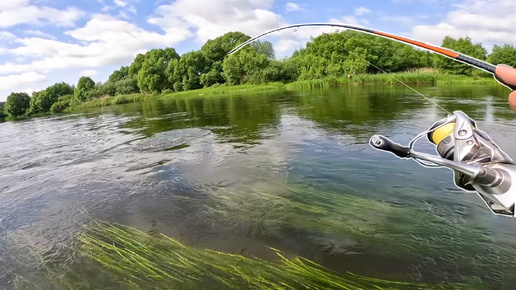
x=43, y=42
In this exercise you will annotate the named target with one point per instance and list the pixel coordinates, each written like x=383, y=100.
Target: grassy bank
x=124, y=257
x=411, y=78
x=211, y=91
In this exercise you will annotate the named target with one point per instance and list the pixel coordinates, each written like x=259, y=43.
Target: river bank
x=410, y=78
x=424, y=77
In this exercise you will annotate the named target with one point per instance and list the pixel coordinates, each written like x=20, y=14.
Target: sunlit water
x=210, y=171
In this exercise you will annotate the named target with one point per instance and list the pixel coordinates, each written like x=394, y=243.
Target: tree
x=281, y=71
x=215, y=51
x=84, y=85
x=61, y=104
x=189, y=69
x=218, y=48
x=17, y=104
x=122, y=82
x=3, y=115
x=233, y=70
x=265, y=48
x=100, y=90
x=136, y=65
x=126, y=86
x=213, y=76
x=505, y=54
x=43, y=100
x=356, y=60
x=119, y=75
x=34, y=107
x=245, y=66
x=349, y=52
x=151, y=76
x=462, y=45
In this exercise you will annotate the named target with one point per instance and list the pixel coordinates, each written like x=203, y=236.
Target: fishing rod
x=504, y=74
x=478, y=164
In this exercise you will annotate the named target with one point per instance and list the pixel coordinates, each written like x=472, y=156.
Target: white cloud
x=292, y=39
x=6, y=36
x=131, y=9
x=120, y=3
x=30, y=14
x=284, y=47
x=97, y=47
x=88, y=73
x=356, y=19
x=107, y=40
x=210, y=19
x=362, y=11
x=293, y=7
x=485, y=21
x=13, y=4
x=123, y=7
x=7, y=83
x=350, y=19
x=39, y=33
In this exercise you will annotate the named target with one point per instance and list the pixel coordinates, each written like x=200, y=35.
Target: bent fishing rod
x=504, y=74
x=478, y=164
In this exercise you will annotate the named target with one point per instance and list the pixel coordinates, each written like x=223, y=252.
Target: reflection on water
x=290, y=170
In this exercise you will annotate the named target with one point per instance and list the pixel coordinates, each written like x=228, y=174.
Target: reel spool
x=457, y=138
x=441, y=134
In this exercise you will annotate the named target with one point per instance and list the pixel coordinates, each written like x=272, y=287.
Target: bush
x=17, y=104
x=61, y=104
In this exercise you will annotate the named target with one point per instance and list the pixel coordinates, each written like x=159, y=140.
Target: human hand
x=512, y=100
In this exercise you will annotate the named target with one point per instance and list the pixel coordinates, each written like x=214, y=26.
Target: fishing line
x=398, y=80
x=411, y=88
x=505, y=75
x=415, y=139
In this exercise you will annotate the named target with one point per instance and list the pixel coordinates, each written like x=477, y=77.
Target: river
x=290, y=170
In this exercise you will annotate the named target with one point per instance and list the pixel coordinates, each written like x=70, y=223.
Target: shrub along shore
x=410, y=78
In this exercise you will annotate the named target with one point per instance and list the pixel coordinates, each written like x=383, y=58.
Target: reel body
x=477, y=162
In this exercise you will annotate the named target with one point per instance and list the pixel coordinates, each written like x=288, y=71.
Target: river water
x=290, y=170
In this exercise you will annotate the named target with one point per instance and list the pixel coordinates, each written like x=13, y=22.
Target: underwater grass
x=133, y=259
x=435, y=240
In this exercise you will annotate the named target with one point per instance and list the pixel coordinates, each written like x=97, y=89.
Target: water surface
x=290, y=170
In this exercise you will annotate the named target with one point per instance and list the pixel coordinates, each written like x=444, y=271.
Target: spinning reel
x=478, y=164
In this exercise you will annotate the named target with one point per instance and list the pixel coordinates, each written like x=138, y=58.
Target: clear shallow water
x=239, y=173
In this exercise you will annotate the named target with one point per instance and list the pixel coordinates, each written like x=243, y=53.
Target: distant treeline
x=338, y=54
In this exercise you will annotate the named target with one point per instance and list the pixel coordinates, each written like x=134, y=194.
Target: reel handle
x=383, y=143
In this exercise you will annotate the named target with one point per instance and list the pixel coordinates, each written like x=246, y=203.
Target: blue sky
x=47, y=41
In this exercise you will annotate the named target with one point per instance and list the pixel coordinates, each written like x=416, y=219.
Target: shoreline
x=389, y=79
x=400, y=78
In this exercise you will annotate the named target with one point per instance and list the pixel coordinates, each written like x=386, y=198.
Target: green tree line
x=339, y=54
